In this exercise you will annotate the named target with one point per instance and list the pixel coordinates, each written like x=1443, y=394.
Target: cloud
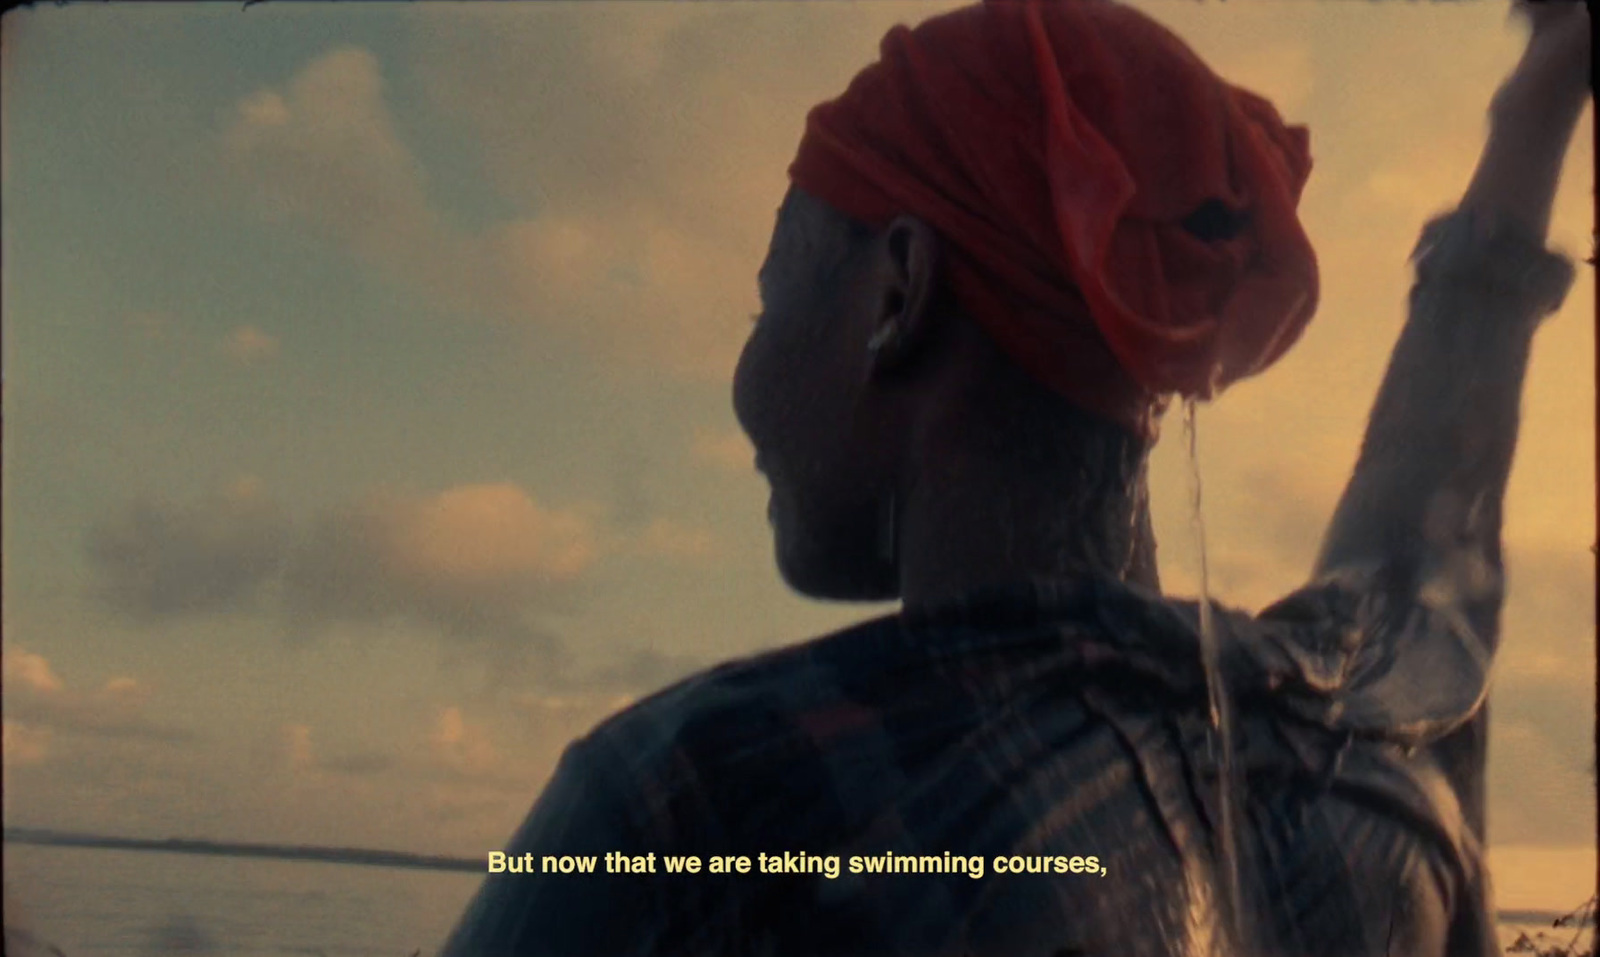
x=323, y=152
x=475, y=561
x=153, y=560
x=632, y=241
x=482, y=565
x=28, y=670
x=488, y=537
x=645, y=242
x=454, y=750
x=467, y=549
x=485, y=565
x=300, y=754
x=249, y=344
x=323, y=155
x=22, y=744
x=461, y=748
x=665, y=538
x=39, y=704
x=629, y=237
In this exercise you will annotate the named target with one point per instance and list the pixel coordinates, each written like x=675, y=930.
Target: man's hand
x=1555, y=64
x=1533, y=116
x=1567, y=18
x=1551, y=16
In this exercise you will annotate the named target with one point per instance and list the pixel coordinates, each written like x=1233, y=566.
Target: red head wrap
x=1118, y=218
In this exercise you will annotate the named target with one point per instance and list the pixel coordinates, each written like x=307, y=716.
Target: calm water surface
x=99, y=903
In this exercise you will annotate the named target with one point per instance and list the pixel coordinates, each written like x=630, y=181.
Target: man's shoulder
x=745, y=708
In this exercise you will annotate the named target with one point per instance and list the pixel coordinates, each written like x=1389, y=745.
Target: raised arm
x=1420, y=520
x=1533, y=117
x=1441, y=436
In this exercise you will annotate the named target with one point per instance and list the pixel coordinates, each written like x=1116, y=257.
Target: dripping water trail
x=1220, y=702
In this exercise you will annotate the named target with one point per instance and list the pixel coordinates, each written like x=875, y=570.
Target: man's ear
x=908, y=260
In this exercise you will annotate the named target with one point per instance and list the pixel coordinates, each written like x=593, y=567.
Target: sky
x=367, y=367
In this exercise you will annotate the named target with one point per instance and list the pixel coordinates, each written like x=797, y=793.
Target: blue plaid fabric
x=1043, y=722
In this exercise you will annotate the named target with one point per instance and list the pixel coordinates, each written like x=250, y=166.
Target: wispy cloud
x=22, y=744
x=153, y=559
x=455, y=750
x=665, y=538
x=323, y=152
x=632, y=241
x=477, y=563
x=40, y=705
x=451, y=554
x=481, y=565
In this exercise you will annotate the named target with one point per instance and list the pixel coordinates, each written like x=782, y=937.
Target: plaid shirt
x=1054, y=721
x=1065, y=721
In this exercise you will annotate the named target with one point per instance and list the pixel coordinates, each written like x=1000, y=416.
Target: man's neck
x=976, y=524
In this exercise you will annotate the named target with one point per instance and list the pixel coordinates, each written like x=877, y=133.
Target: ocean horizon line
x=47, y=837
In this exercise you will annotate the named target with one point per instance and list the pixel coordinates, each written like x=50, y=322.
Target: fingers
x=1552, y=16
x=1555, y=65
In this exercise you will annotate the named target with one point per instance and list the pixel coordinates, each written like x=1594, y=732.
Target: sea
x=91, y=902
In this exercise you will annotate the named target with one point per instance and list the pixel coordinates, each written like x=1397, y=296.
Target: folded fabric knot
x=1120, y=219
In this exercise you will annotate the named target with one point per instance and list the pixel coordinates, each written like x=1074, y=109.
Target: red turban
x=1120, y=219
